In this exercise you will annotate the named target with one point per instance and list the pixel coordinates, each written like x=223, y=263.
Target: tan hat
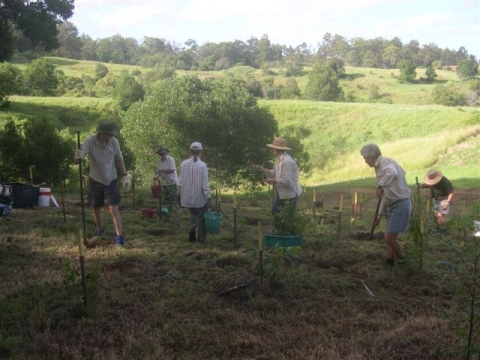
x=279, y=144
x=433, y=177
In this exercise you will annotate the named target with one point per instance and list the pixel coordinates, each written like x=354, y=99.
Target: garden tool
x=377, y=209
x=245, y=285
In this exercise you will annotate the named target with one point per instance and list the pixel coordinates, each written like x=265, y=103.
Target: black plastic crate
x=24, y=195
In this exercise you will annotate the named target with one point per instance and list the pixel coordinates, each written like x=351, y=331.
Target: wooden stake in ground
x=340, y=217
x=82, y=264
x=260, y=250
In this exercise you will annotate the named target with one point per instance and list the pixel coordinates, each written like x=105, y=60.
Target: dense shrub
x=447, y=95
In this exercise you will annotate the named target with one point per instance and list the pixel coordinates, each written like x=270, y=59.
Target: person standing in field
x=284, y=176
x=167, y=173
x=195, y=191
x=395, y=196
x=441, y=190
x=103, y=150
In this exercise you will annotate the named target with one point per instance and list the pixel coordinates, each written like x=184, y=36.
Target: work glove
x=445, y=205
x=78, y=154
x=209, y=203
x=125, y=180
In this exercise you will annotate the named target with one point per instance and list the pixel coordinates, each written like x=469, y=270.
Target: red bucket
x=156, y=190
x=147, y=212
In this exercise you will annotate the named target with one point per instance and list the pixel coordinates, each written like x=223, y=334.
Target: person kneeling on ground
x=441, y=190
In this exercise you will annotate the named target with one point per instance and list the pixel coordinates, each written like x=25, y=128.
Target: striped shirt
x=391, y=177
x=193, y=184
x=102, y=158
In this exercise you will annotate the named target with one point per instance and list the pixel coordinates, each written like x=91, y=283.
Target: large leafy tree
x=127, y=91
x=323, y=84
x=40, y=78
x=9, y=75
x=467, y=69
x=221, y=114
x=407, y=71
x=69, y=41
x=37, y=20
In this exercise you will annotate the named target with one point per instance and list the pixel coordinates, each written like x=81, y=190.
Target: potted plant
x=289, y=226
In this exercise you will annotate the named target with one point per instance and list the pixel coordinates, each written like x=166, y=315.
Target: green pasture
x=418, y=136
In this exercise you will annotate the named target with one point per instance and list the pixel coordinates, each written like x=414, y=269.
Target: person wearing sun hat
x=103, y=150
x=441, y=190
x=284, y=175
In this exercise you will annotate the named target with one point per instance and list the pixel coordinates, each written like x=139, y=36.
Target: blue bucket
x=213, y=220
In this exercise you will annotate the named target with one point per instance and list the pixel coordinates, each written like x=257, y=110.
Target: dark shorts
x=98, y=193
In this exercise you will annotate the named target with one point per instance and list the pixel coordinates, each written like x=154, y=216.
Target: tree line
x=254, y=52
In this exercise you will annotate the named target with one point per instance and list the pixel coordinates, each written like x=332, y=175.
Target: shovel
x=370, y=237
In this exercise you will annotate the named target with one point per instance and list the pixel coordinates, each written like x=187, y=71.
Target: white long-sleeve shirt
x=285, y=172
x=193, y=184
x=391, y=177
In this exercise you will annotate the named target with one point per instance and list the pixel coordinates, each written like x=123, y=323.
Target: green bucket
x=213, y=221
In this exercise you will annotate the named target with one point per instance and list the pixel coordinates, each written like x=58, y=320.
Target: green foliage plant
x=100, y=71
x=40, y=78
x=290, y=221
x=9, y=75
x=431, y=74
x=415, y=247
x=36, y=20
x=407, y=71
x=11, y=141
x=467, y=69
x=447, y=95
x=323, y=84
x=462, y=276
x=127, y=91
x=221, y=114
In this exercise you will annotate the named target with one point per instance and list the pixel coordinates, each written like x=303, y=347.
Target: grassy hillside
x=419, y=136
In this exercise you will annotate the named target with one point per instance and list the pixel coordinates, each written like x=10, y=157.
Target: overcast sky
x=447, y=23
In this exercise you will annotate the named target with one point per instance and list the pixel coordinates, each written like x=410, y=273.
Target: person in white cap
x=104, y=152
x=195, y=191
x=284, y=176
x=441, y=190
x=394, y=192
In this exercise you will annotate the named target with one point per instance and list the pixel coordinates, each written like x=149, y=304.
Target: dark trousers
x=197, y=220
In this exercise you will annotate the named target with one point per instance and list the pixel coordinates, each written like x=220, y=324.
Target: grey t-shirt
x=102, y=158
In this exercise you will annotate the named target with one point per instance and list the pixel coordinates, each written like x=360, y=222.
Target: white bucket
x=44, y=197
x=476, y=228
